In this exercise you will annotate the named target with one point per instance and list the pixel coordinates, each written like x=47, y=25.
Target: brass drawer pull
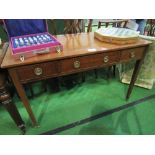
x=38, y=71
x=76, y=64
x=58, y=49
x=132, y=54
x=22, y=58
x=106, y=59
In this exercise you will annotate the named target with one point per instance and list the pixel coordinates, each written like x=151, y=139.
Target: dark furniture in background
x=5, y=97
x=68, y=26
x=150, y=27
x=113, y=23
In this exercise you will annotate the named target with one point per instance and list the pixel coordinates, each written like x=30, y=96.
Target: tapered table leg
x=22, y=94
x=134, y=77
x=135, y=74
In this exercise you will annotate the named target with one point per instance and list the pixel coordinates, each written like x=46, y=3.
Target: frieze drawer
x=88, y=62
x=37, y=71
x=132, y=54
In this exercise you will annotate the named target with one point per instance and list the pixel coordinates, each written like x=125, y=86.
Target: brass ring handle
x=106, y=59
x=22, y=58
x=38, y=71
x=132, y=54
x=76, y=64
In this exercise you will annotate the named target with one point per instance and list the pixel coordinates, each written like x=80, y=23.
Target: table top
x=73, y=45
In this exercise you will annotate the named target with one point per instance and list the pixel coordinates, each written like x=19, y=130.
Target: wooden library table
x=81, y=52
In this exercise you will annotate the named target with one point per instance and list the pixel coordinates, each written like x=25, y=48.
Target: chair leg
x=56, y=84
x=30, y=87
x=43, y=85
x=83, y=77
x=109, y=71
x=96, y=74
x=31, y=90
x=114, y=70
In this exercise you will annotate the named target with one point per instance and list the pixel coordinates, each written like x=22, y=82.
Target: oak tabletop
x=73, y=45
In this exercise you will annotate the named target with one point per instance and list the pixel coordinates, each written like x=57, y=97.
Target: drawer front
x=37, y=71
x=130, y=54
x=88, y=62
x=110, y=58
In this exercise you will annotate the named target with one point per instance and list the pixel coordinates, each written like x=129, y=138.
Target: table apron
x=45, y=70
